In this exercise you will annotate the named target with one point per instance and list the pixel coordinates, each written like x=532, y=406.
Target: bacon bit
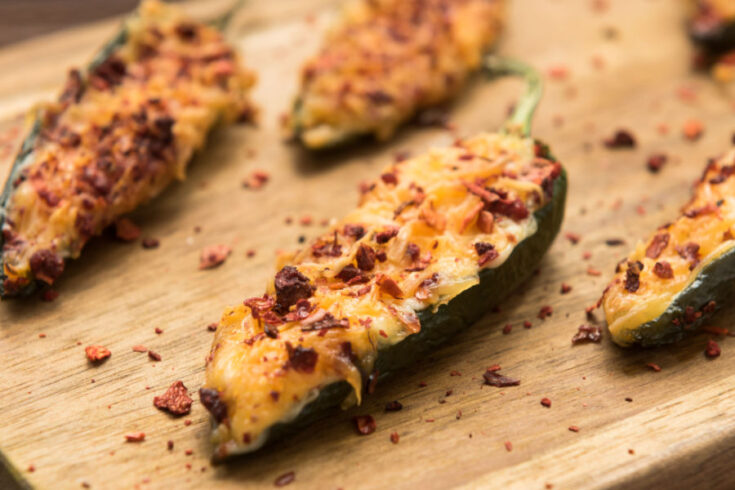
x=285, y=479
x=493, y=378
x=508, y=446
x=656, y=162
x=389, y=178
x=432, y=218
x=693, y=129
x=135, y=437
x=663, y=270
x=558, y=72
x=46, y=265
x=291, y=286
x=150, y=243
x=211, y=400
x=389, y=286
x=545, y=312
x=654, y=367
x=325, y=322
x=302, y=360
x=621, y=139
x=546, y=402
x=632, y=276
x=256, y=180
x=394, y=437
x=154, y=356
x=140, y=348
x=175, y=400
x=97, y=353
x=365, y=424
x=507, y=329
x=713, y=349
x=565, y=288
x=716, y=330
x=387, y=234
x=591, y=271
x=690, y=252
x=587, y=333
x=126, y=230
x=486, y=252
x=573, y=428
x=49, y=295
x=393, y=406
x=213, y=256
x=574, y=238
x=658, y=244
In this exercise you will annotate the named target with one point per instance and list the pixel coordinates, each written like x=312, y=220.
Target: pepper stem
x=520, y=120
x=223, y=20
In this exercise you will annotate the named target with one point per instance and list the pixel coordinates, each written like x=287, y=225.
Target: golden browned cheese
x=419, y=237
x=117, y=136
x=661, y=267
x=713, y=24
x=387, y=59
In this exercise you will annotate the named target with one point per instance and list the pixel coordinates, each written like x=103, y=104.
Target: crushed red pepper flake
x=573, y=428
x=653, y=366
x=591, y=271
x=126, y=230
x=213, y=256
x=587, y=333
x=712, y=350
x=158, y=330
x=175, y=400
x=365, y=424
x=507, y=329
x=573, y=238
x=622, y=138
x=692, y=129
x=256, y=179
x=546, y=402
x=656, y=162
x=508, y=446
x=154, y=356
x=212, y=327
x=140, y=348
x=565, y=288
x=170, y=445
x=631, y=451
x=545, y=312
x=394, y=437
x=135, y=437
x=285, y=479
x=97, y=353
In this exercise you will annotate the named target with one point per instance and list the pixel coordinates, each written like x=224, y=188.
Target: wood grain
x=68, y=419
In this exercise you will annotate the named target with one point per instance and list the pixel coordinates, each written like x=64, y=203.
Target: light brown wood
x=679, y=423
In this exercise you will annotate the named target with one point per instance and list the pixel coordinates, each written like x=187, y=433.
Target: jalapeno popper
x=118, y=134
x=712, y=28
x=435, y=242
x=387, y=59
x=671, y=282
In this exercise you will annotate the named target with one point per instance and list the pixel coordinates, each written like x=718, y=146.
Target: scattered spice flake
x=256, y=180
x=365, y=424
x=586, y=255
x=150, y=243
x=621, y=139
x=212, y=327
x=574, y=238
x=545, y=312
x=713, y=349
x=655, y=162
x=454, y=373
x=628, y=399
x=394, y=437
x=558, y=72
x=158, y=330
x=49, y=295
x=508, y=446
x=126, y=230
x=716, y=330
x=97, y=353
x=507, y=329
x=140, y=348
x=493, y=378
x=170, y=445
x=692, y=129
x=546, y=402
x=631, y=451
x=31, y=468
x=213, y=255
x=422, y=384
x=663, y=270
x=393, y=406
x=285, y=479
x=614, y=242
x=135, y=437
x=459, y=414
x=654, y=367
x=527, y=324
x=250, y=253
x=175, y=400
x=154, y=356
x=573, y=428
x=587, y=333
x=591, y=271
x=306, y=220
x=565, y=288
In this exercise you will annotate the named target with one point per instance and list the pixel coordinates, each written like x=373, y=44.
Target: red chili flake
x=149, y=243
x=621, y=139
x=593, y=272
x=97, y=353
x=459, y=414
x=175, y=400
x=574, y=238
x=546, y=402
x=256, y=180
x=394, y=437
x=126, y=230
x=654, y=367
x=213, y=403
x=494, y=367
x=189, y=452
x=430, y=421
x=213, y=255
x=170, y=445
x=574, y=428
x=454, y=373
x=713, y=349
x=558, y=72
x=663, y=270
x=565, y=288
x=154, y=356
x=301, y=359
x=656, y=161
x=250, y=253
x=159, y=331
x=587, y=255
x=393, y=406
x=493, y=378
x=306, y=220
x=716, y=330
x=49, y=295
x=545, y=312
x=365, y=424
x=658, y=244
x=140, y=348
x=31, y=468
x=285, y=479
x=507, y=329
x=527, y=324
x=135, y=437
x=508, y=446
x=587, y=333
x=692, y=129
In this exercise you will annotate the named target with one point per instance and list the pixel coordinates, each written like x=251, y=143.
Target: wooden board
x=68, y=419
